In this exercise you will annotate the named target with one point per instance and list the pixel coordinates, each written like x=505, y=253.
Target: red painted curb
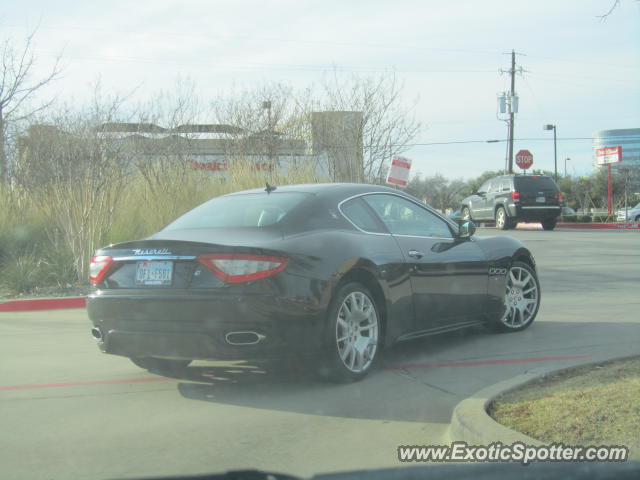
x=43, y=304
x=601, y=226
x=583, y=226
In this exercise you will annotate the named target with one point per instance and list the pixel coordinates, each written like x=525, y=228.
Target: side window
x=402, y=217
x=506, y=185
x=358, y=212
x=484, y=187
x=494, y=186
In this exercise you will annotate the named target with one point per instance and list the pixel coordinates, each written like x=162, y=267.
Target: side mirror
x=467, y=229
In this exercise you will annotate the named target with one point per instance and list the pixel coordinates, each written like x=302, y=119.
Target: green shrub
x=584, y=219
x=569, y=218
x=21, y=274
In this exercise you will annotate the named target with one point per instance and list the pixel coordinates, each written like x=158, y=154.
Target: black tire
x=549, y=224
x=508, y=320
x=335, y=365
x=502, y=220
x=162, y=365
x=465, y=214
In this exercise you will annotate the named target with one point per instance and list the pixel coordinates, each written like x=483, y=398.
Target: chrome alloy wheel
x=521, y=298
x=501, y=218
x=357, y=332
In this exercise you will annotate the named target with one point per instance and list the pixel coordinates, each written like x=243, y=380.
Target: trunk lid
x=167, y=260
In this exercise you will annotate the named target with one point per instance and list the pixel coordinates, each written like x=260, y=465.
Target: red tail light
x=240, y=267
x=559, y=196
x=515, y=196
x=98, y=267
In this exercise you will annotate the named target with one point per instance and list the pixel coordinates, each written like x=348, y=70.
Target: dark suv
x=510, y=199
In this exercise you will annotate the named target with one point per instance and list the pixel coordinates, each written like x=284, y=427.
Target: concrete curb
x=36, y=304
x=471, y=423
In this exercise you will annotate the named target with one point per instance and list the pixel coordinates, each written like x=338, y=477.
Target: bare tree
x=615, y=4
x=388, y=125
x=17, y=88
x=76, y=176
x=265, y=124
x=438, y=191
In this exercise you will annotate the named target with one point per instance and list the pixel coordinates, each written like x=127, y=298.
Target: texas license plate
x=154, y=273
x=540, y=199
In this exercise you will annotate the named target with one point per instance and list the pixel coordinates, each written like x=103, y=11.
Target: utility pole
x=512, y=71
x=508, y=104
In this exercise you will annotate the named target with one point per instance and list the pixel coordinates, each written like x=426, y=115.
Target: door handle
x=415, y=254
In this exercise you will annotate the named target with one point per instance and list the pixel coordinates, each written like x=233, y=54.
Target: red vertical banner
x=609, y=192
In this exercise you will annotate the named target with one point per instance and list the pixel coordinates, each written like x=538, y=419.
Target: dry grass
x=32, y=259
x=594, y=405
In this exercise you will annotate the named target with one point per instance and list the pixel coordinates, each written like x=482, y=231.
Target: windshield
x=247, y=210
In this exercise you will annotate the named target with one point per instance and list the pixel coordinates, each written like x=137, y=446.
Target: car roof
x=329, y=190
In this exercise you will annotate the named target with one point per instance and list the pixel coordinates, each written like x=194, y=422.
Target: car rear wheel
x=549, y=224
x=162, y=365
x=465, y=214
x=353, y=334
x=521, y=299
x=503, y=222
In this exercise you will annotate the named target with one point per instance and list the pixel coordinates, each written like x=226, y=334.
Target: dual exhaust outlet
x=232, y=338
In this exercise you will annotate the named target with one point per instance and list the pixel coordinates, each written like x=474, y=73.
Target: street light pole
x=555, y=149
x=565, y=166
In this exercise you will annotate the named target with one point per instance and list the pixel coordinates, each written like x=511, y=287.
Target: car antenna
x=270, y=188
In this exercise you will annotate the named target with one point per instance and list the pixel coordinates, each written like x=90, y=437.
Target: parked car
x=568, y=211
x=629, y=215
x=509, y=199
x=335, y=272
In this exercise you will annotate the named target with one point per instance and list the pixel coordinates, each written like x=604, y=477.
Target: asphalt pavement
x=68, y=411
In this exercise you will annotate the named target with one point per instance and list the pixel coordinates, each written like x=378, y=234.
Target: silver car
x=630, y=215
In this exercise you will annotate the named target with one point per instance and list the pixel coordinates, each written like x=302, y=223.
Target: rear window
x=535, y=184
x=245, y=210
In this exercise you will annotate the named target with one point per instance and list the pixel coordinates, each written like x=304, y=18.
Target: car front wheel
x=521, y=299
x=353, y=334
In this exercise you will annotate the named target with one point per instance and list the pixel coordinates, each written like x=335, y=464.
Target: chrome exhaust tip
x=243, y=338
x=96, y=333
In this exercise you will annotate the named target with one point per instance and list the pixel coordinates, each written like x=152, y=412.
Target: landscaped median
x=595, y=404
x=34, y=304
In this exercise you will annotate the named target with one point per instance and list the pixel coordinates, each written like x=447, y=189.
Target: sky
x=580, y=73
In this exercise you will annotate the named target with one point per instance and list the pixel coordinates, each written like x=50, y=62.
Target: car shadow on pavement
x=420, y=381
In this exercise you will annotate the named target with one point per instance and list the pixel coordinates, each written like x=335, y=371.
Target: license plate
x=540, y=199
x=154, y=273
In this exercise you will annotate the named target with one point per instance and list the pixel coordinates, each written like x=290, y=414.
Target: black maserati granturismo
x=332, y=272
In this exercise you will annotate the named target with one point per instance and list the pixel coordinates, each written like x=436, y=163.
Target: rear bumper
x=534, y=213
x=197, y=326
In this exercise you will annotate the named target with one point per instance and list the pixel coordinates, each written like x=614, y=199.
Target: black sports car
x=334, y=271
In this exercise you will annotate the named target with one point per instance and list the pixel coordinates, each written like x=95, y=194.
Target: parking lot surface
x=67, y=411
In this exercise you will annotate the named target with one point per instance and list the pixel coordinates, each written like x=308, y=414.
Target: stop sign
x=524, y=159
